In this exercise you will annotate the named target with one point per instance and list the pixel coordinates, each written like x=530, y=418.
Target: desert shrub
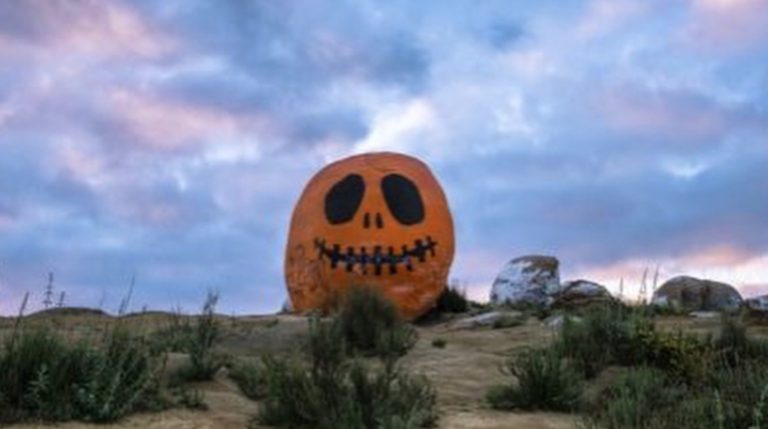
x=545, y=381
x=690, y=382
x=37, y=370
x=121, y=376
x=189, y=398
x=44, y=377
x=686, y=358
x=332, y=391
x=667, y=310
x=396, y=342
x=735, y=345
x=760, y=410
x=601, y=337
x=177, y=337
x=634, y=400
x=742, y=391
x=369, y=323
x=736, y=399
x=204, y=361
x=452, y=300
x=439, y=343
x=733, y=335
x=250, y=378
x=616, y=335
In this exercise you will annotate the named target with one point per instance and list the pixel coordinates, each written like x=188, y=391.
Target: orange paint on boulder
x=379, y=220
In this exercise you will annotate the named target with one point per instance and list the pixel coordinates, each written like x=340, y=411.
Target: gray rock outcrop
x=532, y=279
x=695, y=294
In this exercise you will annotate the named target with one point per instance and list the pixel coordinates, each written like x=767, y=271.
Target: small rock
x=704, y=314
x=485, y=319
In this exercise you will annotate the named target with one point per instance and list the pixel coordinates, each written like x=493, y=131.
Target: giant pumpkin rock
x=378, y=220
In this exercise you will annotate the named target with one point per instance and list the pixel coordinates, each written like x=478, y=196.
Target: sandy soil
x=462, y=371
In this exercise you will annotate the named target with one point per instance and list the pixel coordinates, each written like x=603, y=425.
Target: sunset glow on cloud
x=169, y=140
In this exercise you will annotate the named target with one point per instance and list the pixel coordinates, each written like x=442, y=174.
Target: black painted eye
x=344, y=198
x=403, y=199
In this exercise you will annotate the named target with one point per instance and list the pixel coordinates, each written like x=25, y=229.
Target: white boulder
x=531, y=279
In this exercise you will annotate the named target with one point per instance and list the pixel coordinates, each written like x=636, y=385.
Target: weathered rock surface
x=577, y=293
x=486, y=319
x=531, y=279
x=705, y=314
x=759, y=303
x=695, y=294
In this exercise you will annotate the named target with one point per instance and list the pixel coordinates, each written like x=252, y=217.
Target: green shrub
x=685, y=358
x=43, y=377
x=615, y=335
x=333, y=392
x=192, y=399
x=544, y=382
x=634, y=400
x=37, y=371
x=668, y=310
x=736, y=399
x=396, y=342
x=691, y=382
x=204, y=361
x=439, y=343
x=742, y=391
x=120, y=375
x=177, y=337
x=734, y=344
x=760, y=410
x=369, y=324
x=452, y=300
x=601, y=337
x=250, y=378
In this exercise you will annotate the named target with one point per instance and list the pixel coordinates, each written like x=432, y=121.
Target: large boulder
x=579, y=293
x=531, y=279
x=695, y=294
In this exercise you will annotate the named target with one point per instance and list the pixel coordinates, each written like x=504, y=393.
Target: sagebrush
x=44, y=377
x=332, y=390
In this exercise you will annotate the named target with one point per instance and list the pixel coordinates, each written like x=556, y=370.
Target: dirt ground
x=462, y=371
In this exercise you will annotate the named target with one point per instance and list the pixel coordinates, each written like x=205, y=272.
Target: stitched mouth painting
x=377, y=219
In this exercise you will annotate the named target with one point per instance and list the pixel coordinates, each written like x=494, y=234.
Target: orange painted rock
x=379, y=220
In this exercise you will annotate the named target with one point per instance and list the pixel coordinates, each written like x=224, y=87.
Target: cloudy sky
x=169, y=140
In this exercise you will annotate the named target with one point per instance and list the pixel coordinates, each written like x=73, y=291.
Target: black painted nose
x=378, y=220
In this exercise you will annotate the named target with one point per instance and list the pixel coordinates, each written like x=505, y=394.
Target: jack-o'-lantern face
x=378, y=220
